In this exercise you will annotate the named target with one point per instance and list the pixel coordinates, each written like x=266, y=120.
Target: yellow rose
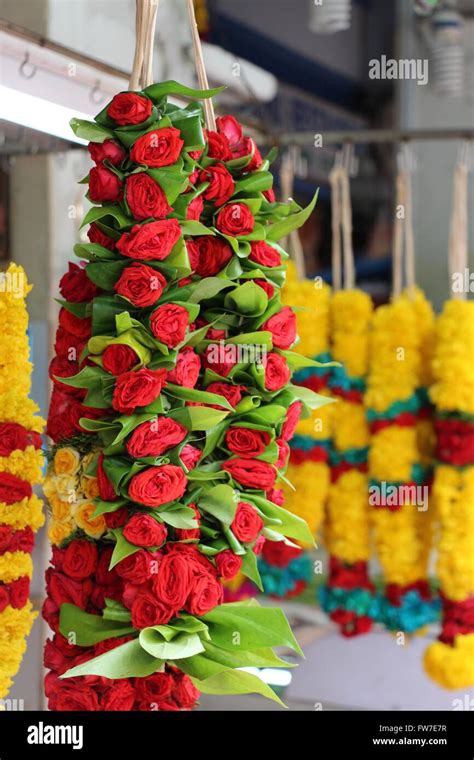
x=67, y=461
x=61, y=510
x=92, y=526
x=59, y=531
x=87, y=459
x=66, y=486
x=90, y=487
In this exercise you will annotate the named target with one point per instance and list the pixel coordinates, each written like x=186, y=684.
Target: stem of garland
x=200, y=67
x=458, y=228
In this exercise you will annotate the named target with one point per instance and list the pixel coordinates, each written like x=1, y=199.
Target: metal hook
x=24, y=71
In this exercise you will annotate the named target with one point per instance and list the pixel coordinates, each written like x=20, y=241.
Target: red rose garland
x=169, y=437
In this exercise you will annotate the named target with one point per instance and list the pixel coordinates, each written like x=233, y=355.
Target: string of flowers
x=286, y=570
x=171, y=413
x=450, y=660
x=348, y=596
x=21, y=462
x=398, y=456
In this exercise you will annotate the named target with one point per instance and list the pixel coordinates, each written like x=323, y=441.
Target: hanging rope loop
x=343, y=269
x=200, y=67
x=403, y=255
x=458, y=238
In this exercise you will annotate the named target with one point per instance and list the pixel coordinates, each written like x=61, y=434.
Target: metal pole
x=360, y=136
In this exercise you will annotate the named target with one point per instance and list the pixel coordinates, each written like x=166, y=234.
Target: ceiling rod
x=359, y=136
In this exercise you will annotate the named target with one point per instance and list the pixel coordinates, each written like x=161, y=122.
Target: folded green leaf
x=85, y=630
x=236, y=682
x=126, y=661
x=282, y=228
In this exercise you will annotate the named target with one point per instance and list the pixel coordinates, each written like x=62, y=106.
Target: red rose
x=182, y=534
x=151, y=242
x=136, y=568
x=230, y=127
x=276, y=495
x=233, y=393
x=168, y=324
x=103, y=574
x=184, y=693
x=60, y=423
x=153, y=689
x=263, y=253
x=67, y=345
x=154, y=437
x=158, y=485
x=282, y=327
x=62, y=589
x=172, y=584
x=129, y=108
x=190, y=456
x=161, y=147
x=118, y=358
x=258, y=545
x=245, y=442
x=71, y=698
x=53, y=658
x=145, y=197
x=247, y=523
x=266, y=286
x=140, y=284
x=251, y=472
x=228, y=564
x=149, y=610
x=118, y=698
x=246, y=148
x=186, y=370
x=109, y=150
x=77, y=326
x=137, y=388
x=221, y=184
x=144, y=530
x=206, y=594
x=117, y=518
x=218, y=146
x=106, y=489
x=49, y=612
x=235, y=219
x=13, y=437
x=208, y=255
x=75, y=285
x=77, y=411
x=104, y=185
x=13, y=489
x=195, y=208
x=283, y=453
x=269, y=195
x=291, y=420
x=220, y=358
x=19, y=592
x=95, y=235
x=80, y=559
x=277, y=372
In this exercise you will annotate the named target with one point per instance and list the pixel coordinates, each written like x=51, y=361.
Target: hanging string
x=200, y=67
x=457, y=252
x=343, y=269
x=139, y=46
x=346, y=224
x=145, y=22
x=336, y=219
x=397, y=255
x=409, y=236
x=403, y=256
x=147, y=65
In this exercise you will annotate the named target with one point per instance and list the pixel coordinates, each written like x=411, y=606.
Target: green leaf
x=78, y=309
x=197, y=417
x=289, y=523
x=183, y=518
x=122, y=549
x=181, y=646
x=105, y=274
x=126, y=661
x=254, y=182
x=115, y=610
x=248, y=299
x=89, y=629
x=193, y=227
x=310, y=398
x=257, y=626
x=216, y=660
x=171, y=87
x=236, y=682
x=191, y=394
x=282, y=228
x=94, y=252
x=220, y=502
x=90, y=131
x=250, y=568
x=298, y=361
x=172, y=180
x=99, y=212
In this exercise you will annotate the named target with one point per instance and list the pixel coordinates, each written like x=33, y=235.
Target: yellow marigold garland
x=401, y=343
x=20, y=467
x=450, y=660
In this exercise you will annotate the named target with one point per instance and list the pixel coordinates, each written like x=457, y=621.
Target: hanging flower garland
x=21, y=462
x=171, y=430
x=348, y=596
x=450, y=660
x=398, y=457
